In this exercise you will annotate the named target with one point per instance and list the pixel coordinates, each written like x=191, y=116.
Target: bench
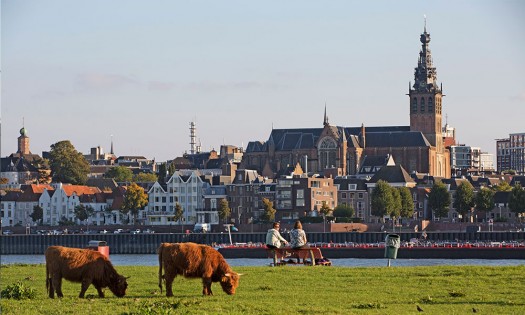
x=279, y=254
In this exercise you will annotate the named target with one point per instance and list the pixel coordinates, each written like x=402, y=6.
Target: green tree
x=82, y=213
x=464, y=200
x=485, y=199
x=395, y=211
x=503, y=186
x=119, y=174
x=179, y=212
x=224, y=210
x=439, y=200
x=343, y=211
x=325, y=209
x=38, y=214
x=269, y=212
x=166, y=170
x=145, y=178
x=407, y=204
x=517, y=200
x=44, y=172
x=67, y=165
x=134, y=200
x=382, y=199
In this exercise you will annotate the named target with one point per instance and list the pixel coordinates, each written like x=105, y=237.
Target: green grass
x=290, y=290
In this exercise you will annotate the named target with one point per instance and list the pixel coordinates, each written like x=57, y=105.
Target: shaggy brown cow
x=81, y=265
x=195, y=261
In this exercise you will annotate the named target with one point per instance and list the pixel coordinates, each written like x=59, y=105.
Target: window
x=422, y=104
x=414, y=104
x=360, y=195
x=300, y=193
x=343, y=195
x=430, y=104
x=327, y=153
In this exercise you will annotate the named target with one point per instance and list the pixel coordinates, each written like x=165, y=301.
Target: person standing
x=274, y=238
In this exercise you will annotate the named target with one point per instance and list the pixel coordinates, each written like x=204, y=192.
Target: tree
x=134, y=200
x=382, y=200
x=407, y=204
x=166, y=170
x=464, y=200
x=503, y=186
x=269, y=212
x=224, y=210
x=44, y=172
x=82, y=213
x=325, y=209
x=485, y=199
x=119, y=174
x=439, y=200
x=67, y=165
x=38, y=214
x=343, y=211
x=145, y=178
x=517, y=200
x=395, y=211
x=179, y=212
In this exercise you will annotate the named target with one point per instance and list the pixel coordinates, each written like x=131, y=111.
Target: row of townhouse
x=298, y=195
x=58, y=202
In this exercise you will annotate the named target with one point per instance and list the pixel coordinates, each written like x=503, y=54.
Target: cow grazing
x=81, y=265
x=195, y=261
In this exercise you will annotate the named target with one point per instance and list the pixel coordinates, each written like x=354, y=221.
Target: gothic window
x=422, y=104
x=430, y=109
x=327, y=153
x=414, y=104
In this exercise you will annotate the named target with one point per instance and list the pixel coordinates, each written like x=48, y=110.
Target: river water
x=152, y=260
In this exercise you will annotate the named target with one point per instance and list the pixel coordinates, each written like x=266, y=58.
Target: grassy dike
x=290, y=290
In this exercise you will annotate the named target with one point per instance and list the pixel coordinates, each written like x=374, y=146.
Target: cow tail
x=160, y=267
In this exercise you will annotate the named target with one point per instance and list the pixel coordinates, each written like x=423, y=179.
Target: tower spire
x=325, y=121
x=111, y=151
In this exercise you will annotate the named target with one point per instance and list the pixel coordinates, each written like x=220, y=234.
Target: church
x=341, y=150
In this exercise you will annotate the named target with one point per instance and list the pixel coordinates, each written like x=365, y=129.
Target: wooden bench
x=279, y=254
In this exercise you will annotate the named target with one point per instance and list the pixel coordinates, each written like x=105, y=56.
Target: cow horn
x=227, y=274
x=127, y=277
x=240, y=274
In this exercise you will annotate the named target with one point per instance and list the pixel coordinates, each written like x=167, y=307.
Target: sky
x=138, y=72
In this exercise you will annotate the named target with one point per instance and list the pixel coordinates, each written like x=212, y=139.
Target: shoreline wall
x=148, y=243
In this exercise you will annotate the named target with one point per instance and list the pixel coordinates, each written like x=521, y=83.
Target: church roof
x=392, y=174
x=396, y=139
x=14, y=164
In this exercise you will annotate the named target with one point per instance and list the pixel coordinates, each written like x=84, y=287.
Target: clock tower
x=425, y=105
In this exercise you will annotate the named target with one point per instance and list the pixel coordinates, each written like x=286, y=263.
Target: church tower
x=425, y=105
x=23, y=143
x=425, y=96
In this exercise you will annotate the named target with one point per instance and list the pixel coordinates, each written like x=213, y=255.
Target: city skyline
x=140, y=73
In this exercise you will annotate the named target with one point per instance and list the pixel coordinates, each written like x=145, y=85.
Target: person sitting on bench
x=298, y=237
x=274, y=238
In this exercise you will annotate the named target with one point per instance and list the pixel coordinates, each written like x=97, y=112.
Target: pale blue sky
x=142, y=70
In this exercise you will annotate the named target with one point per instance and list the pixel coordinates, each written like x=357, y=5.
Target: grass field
x=290, y=290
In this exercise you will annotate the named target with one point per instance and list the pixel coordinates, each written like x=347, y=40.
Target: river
x=152, y=260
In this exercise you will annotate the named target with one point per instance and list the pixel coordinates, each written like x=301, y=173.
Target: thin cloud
x=520, y=97
x=104, y=81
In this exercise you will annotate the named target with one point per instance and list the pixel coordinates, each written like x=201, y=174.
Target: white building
x=186, y=188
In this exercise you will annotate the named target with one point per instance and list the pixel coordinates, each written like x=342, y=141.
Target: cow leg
x=100, y=292
x=56, y=283
x=85, y=286
x=169, y=283
x=206, y=286
x=51, y=288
